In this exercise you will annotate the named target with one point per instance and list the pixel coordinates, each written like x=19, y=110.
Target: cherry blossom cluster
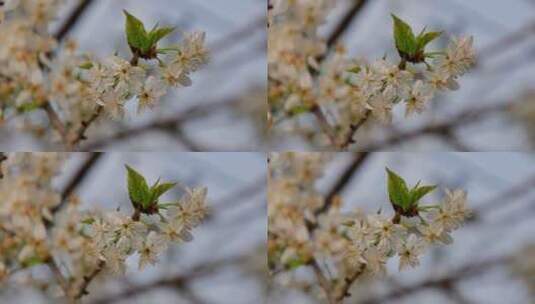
x=351, y=244
x=305, y=77
x=38, y=228
x=37, y=72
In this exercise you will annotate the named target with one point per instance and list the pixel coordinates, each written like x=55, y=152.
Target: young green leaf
x=159, y=189
x=86, y=65
x=417, y=193
x=138, y=190
x=136, y=34
x=397, y=190
x=425, y=38
x=158, y=34
x=404, y=38
x=354, y=70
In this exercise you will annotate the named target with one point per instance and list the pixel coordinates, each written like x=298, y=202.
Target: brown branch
x=87, y=280
x=177, y=281
x=3, y=157
x=339, y=30
x=353, y=130
x=171, y=123
x=344, y=179
x=80, y=175
x=325, y=284
x=72, y=20
x=324, y=124
x=510, y=195
x=80, y=134
x=56, y=122
x=334, y=296
x=346, y=21
x=466, y=272
x=63, y=283
x=348, y=282
x=467, y=117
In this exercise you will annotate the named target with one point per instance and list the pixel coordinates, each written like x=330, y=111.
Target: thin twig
x=343, y=181
x=353, y=130
x=80, y=134
x=80, y=175
x=323, y=281
x=340, y=29
x=348, y=282
x=346, y=22
x=87, y=280
x=176, y=281
x=56, y=122
x=324, y=124
x=72, y=20
x=465, y=272
x=3, y=157
x=467, y=117
x=170, y=123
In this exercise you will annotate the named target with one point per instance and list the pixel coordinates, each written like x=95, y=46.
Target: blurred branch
x=80, y=134
x=176, y=282
x=339, y=30
x=230, y=40
x=509, y=195
x=465, y=272
x=79, y=177
x=508, y=41
x=250, y=190
x=344, y=179
x=3, y=157
x=445, y=128
x=72, y=20
x=346, y=21
x=56, y=122
x=170, y=124
x=336, y=296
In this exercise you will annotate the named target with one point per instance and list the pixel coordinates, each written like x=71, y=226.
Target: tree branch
x=79, y=177
x=3, y=157
x=343, y=181
x=467, y=117
x=462, y=273
x=80, y=134
x=346, y=21
x=72, y=20
x=176, y=281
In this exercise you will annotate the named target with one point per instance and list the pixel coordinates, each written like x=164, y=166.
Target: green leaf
x=88, y=221
x=29, y=262
x=404, y=37
x=86, y=65
x=136, y=34
x=297, y=110
x=28, y=107
x=295, y=263
x=158, y=34
x=138, y=190
x=417, y=193
x=158, y=190
x=425, y=38
x=354, y=70
x=397, y=190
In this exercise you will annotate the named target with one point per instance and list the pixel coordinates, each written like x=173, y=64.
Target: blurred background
x=223, y=110
x=492, y=258
x=225, y=262
x=495, y=106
